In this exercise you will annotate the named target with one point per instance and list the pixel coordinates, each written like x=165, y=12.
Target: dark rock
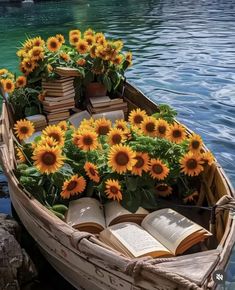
x=16, y=267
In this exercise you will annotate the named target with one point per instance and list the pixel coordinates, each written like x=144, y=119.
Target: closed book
x=99, y=102
x=122, y=106
x=67, y=94
x=58, y=99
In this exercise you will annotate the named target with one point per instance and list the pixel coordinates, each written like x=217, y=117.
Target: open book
x=163, y=232
x=88, y=214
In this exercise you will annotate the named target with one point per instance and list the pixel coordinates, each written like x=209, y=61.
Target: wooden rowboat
x=84, y=261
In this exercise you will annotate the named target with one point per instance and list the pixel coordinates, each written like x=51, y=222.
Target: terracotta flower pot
x=95, y=90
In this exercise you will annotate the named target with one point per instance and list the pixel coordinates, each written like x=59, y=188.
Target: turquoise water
x=184, y=54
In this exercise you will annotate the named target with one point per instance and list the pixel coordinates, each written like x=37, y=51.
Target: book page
x=112, y=116
x=134, y=238
x=169, y=227
x=113, y=210
x=85, y=210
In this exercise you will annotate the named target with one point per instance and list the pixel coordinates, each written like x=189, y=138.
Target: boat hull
x=86, y=263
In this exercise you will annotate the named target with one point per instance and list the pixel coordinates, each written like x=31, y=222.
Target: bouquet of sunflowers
x=135, y=162
x=95, y=57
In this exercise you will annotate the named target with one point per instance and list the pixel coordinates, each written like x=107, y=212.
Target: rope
x=135, y=266
x=77, y=236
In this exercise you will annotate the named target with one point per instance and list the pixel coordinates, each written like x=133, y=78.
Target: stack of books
x=67, y=72
x=59, y=98
x=39, y=121
x=105, y=104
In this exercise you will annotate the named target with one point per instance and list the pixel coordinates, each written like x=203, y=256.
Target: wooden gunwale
x=90, y=249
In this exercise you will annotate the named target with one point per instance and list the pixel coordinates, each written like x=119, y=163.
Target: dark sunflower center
x=191, y=164
x=82, y=46
x=162, y=129
x=75, y=39
x=24, y=130
x=114, y=189
x=140, y=162
x=117, y=138
x=36, y=52
x=20, y=82
x=157, y=168
x=177, y=133
x=87, y=140
x=150, y=127
x=122, y=158
x=138, y=119
x=53, y=44
x=195, y=144
x=49, y=158
x=29, y=65
x=103, y=130
x=8, y=85
x=162, y=187
x=37, y=43
x=120, y=127
x=92, y=171
x=55, y=136
x=72, y=184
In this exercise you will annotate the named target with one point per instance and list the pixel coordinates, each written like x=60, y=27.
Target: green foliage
x=165, y=112
x=25, y=102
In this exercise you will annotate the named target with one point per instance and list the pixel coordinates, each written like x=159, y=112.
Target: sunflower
x=86, y=124
x=142, y=163
x=24, y=129
x=82, y=46
x=162, y=128
x=3, y=71
x=38, y=41
x=118, y=59
x=116, y=136
x=176, y=133
x=102, y=126
x=36, y=53
x=158, y=169
x=99, y=37
x=89, y=39
x=28, y=65
x=136, y=117
x=191, y=164
x=93, y=51
x=74, y=39
x=113, y=189
x=195, y=143
x=101, y=52
x=208, y=158
x=118, y=44
x=45, y=140
x=148, y=126
x=89, y=31
x=8, y=85
x=191, y=197
x=121, y=124
x=21, y=53
x=47, y=159
x=121, y=158
x=20, y=155
x=81, y=62
x=65, y=56
x=28, y=44
x=21, y=82
x=73, y=186
x=63, y=125
x=55, y=132
x=163, y=189
x=91, y=171
x=86, y=140
x=75, y=32
x=129, y=58
x=60, y=38
x=53, y=44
